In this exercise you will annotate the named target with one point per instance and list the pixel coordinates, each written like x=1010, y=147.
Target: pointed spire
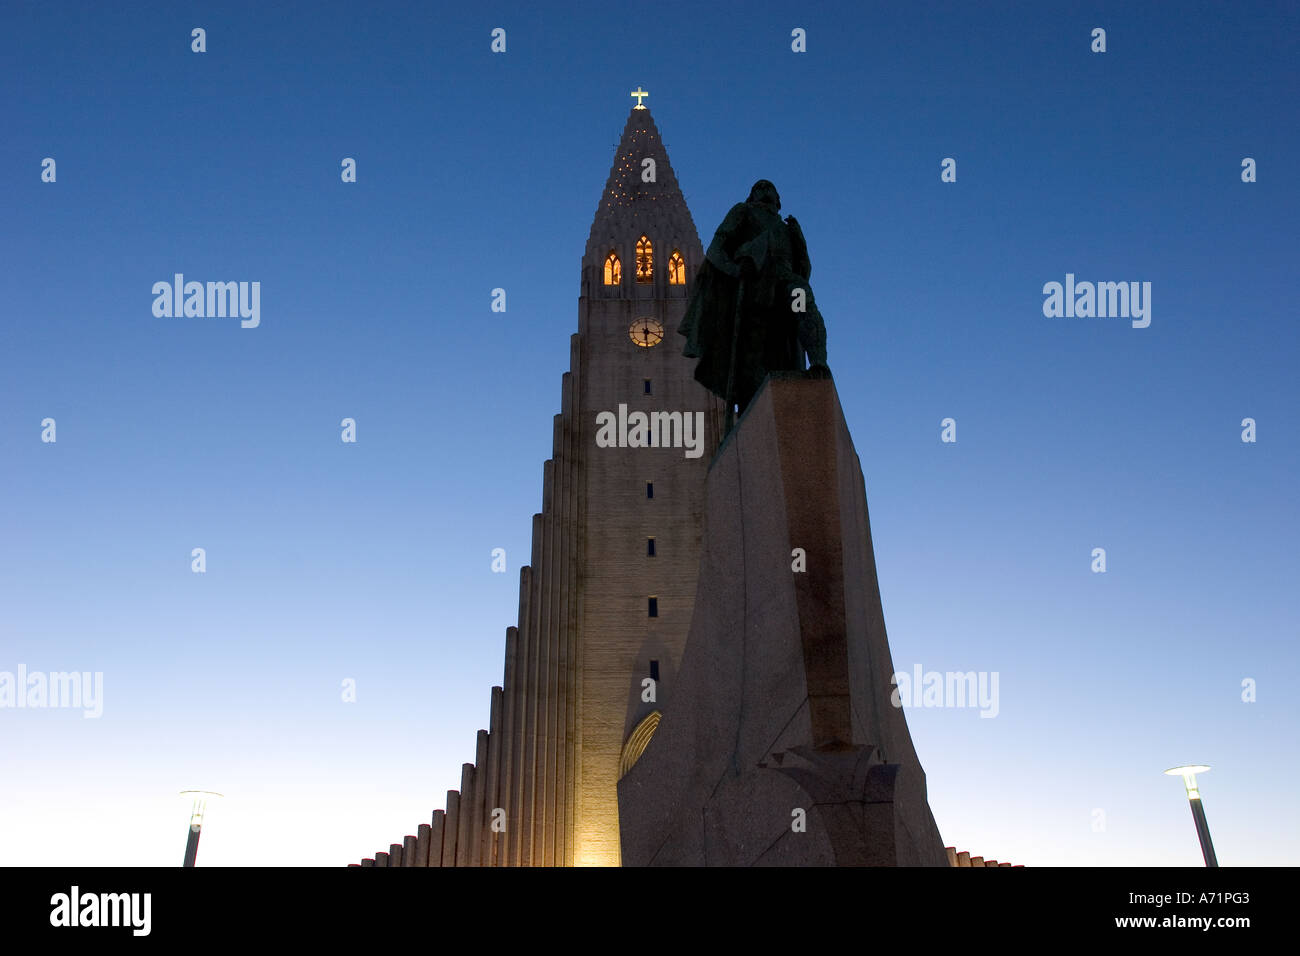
x=633, y=203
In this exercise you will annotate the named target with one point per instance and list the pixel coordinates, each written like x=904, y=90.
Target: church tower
x=641, y=527
x=606, y=601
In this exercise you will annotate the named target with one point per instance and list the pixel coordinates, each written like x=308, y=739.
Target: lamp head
x=1188, y=773
x=199, y=804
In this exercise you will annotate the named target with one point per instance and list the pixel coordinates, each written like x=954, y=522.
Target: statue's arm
x=799, y=260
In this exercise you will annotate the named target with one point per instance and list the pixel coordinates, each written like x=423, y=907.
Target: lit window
x=613, y=269
x=645, y=265
x=676, y=269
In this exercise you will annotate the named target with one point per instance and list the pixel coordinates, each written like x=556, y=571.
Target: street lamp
x=1188, y=774
x=200, y=802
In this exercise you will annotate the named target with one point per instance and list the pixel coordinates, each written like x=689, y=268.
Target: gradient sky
x=371, y=561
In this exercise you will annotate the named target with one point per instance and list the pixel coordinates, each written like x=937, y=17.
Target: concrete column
x=466, y=814
x=436, y=830
x=408, y=850
x=492, y=789
x=368, y=861
x=532, y=682
x=573, y=691
x=573, y=728
x=509, y=744
x=475, y=845
x=568, y=544
x=451, y=826
x=963, y=858
x=564, y=546
x=544, y=801
x=515, y=824
x=395, y=854
x=561, y=540
x=565, y=542
x=381, y=858
x=952, y=855
x=543, y=796
x=423, y=833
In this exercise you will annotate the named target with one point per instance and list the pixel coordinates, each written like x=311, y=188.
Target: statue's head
x=764, y=192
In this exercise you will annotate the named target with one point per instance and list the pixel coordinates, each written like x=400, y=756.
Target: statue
x=752, y=311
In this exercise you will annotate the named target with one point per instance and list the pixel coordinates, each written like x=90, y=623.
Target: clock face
x=646, y=332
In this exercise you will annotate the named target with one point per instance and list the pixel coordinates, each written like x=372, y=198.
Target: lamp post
x=199, y=804
x=1188, y=774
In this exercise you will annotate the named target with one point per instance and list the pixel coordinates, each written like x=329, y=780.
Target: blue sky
x=371, y=561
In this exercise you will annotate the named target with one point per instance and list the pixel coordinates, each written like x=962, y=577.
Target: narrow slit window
x=647, y=386
x=654, y=670
x=650, y=547
x=649, y=489
x=654, y=607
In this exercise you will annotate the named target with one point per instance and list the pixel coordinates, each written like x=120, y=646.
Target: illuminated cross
x=640, y=94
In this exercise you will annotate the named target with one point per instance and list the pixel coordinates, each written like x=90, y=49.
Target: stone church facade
x=606, y=601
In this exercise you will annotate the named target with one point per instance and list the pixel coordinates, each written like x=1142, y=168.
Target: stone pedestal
x=781, y=745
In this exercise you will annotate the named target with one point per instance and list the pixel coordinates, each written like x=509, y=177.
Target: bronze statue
x=752, y=311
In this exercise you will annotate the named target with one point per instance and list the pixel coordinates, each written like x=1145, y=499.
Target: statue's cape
x=710, y=313
x=708, y=326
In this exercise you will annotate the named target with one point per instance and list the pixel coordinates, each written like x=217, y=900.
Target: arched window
x=613, y=269
x=637, y=743
x=676, y=269
x=645, y=265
